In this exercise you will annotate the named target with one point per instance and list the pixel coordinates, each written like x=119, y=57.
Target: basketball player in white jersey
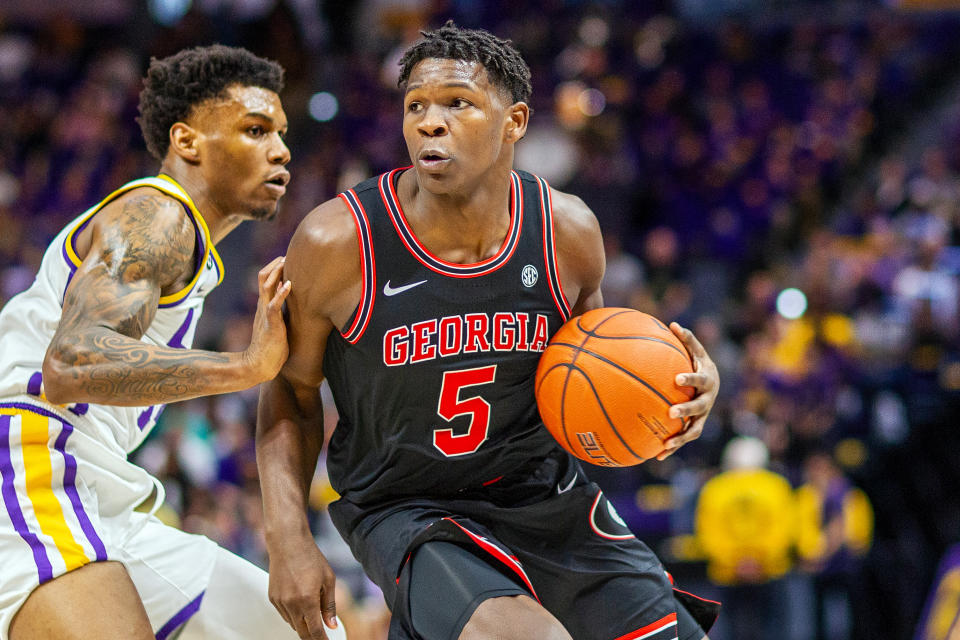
x=94, y=349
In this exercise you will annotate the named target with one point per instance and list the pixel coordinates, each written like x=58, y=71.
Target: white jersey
x=70, y=496
x=29, y=320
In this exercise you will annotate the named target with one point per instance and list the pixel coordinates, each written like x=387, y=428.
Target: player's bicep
x=307, y=334
x=592, y=299
x=323, y=266
x=97, y=299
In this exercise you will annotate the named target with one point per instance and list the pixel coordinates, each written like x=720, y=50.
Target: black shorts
x=549, y=530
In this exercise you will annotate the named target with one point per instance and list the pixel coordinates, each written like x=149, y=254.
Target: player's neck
x=219, y=222
x=481, y=202
x=477, y=216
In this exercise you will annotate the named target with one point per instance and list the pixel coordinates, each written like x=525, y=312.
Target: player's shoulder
x=146, y=200
x=573, y=220
x=569, y=210
x=323, y=260
x=325, y=242
x=147, y=218
x=328, y=226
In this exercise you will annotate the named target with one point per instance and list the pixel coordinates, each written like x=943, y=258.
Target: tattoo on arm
x=111, y=302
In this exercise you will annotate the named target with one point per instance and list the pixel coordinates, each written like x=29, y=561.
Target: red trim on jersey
x=693, y=595
x=444, y=267
x=405, y=561
x=367, y=296
x=489, y=482
x=550, y=250
x=652, y=629
x=511, y=561
x=563, y=297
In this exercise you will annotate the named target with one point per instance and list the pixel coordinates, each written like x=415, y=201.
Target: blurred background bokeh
x=781, y=176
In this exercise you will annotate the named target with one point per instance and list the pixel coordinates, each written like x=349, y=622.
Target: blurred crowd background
x=781, y=176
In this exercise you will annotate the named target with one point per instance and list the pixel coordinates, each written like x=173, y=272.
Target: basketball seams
x=619, y=367
x=571, y=367
x=566, y=381
x=666, y=343
x=563, y=405
x=602, y=322
x=606, y=416
x=593, y=333
x=644, y=370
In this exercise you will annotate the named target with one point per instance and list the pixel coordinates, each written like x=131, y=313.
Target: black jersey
x=433, y=376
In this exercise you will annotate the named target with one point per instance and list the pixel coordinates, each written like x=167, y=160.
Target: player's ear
x=518, y=115
x=184, y=141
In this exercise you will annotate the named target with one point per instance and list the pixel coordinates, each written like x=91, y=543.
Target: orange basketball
x=605, y=383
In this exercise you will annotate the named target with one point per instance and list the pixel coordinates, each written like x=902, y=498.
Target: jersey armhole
x=550, y=250
x=361, y=316
x=169, y=187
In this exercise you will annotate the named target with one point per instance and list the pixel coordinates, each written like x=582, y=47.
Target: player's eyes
x=413, y=107
x=256, y=131
x=460, y=103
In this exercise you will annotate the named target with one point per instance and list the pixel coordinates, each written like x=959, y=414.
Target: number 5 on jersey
x=451, y=405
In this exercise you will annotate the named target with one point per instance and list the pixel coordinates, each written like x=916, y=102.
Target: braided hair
x=505, y=67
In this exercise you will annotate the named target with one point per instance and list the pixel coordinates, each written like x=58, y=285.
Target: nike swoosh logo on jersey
x=392, y=291
x=569, y=486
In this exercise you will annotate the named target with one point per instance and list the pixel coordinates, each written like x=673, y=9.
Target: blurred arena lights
x=791, y=303
x=323, y=106
x=591, y=102
x=168, y=12
x=594, y=31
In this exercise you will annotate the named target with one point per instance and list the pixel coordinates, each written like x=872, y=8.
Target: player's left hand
x=268, y=348
x=705, y=379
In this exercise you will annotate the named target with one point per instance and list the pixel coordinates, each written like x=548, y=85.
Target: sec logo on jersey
x=529, y=276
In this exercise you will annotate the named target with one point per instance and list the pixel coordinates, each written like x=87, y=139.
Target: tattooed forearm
x=107, y=368
x=129, y=372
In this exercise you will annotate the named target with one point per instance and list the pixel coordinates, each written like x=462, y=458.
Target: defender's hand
x=268, y=346
x=705, y=379
x=302, y=589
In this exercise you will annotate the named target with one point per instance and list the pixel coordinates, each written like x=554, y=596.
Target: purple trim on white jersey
x=180, y=617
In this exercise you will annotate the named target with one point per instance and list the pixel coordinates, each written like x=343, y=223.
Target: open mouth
x=277, y=184
x=432, y=159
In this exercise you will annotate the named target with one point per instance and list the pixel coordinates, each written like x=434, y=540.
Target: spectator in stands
x=745, y=523
x=834, y=534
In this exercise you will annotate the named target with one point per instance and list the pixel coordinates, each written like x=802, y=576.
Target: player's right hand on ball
x=268, y=345
x=302, y=589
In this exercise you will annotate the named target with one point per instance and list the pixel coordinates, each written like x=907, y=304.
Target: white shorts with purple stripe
x=66, y=500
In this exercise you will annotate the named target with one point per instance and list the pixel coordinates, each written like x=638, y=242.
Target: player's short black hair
x=176, y=84
x=502, y=61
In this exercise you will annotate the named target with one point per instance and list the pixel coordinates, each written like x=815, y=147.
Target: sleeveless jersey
x=433, y=376
x=29, y=320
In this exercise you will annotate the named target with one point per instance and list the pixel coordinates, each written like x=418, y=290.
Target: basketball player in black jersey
x=425, y=296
